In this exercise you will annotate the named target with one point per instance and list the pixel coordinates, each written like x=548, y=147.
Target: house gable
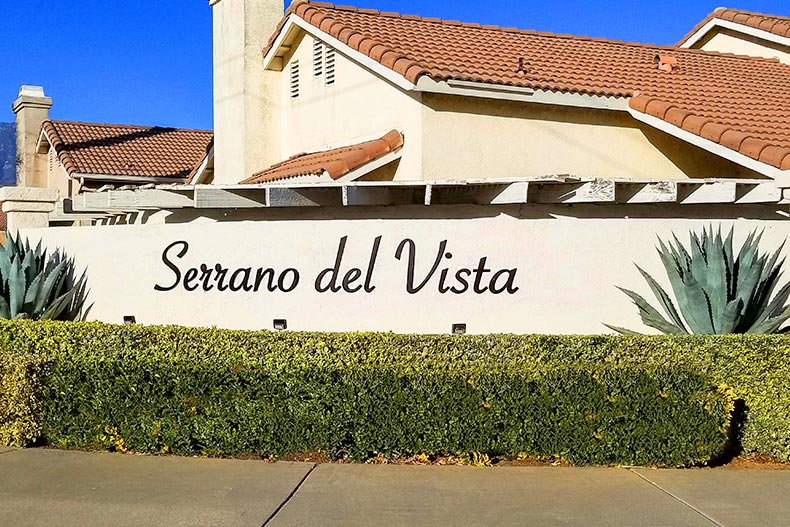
x=742, y=33
x=330, y=101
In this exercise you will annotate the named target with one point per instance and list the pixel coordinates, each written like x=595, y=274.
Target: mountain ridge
x=7, y=154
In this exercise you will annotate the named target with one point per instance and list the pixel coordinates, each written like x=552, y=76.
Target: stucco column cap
x=27, y=206
x=31, y=97
x=28, y=195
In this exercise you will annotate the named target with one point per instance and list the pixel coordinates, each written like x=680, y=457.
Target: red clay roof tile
x=336, y=162
x=712, y=92
x=122, y=150
x=753, y=147
x=773, y=155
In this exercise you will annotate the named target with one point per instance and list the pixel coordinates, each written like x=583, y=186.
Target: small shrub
x=38, y=286
x=718, y=290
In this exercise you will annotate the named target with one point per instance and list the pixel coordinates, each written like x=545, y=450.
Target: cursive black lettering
x=410, y=288
x=294, y=280
x=173, y=267
x=332, y=272
x=205, y=277
x=459, y=277
x=374, y=253
x=240, y=279
x=509, y=285
x=189, y=277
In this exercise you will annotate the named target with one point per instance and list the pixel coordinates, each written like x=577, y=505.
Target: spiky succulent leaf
x=730, y=316
x=715, y=281
x=622, y=331
x=664, y=299
x=5, y=309
x=48, y=290
x=16, y=287
x=58, y=306
x=78, y=310
x=651, y=317
x=772, y=325
x=33, y=291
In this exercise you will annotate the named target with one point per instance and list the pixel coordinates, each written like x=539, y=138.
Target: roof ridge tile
x=494, y=27
x=134, y=126
x=746, y=18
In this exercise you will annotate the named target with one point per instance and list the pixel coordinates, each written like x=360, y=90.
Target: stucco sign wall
x=495, y=273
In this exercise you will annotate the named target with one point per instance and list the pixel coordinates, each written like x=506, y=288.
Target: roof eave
x=199, y=175
x=282, y=45
x=696, y=37
x=520, y=94
x=780, y=176
x=43, y=141
x=117, y=178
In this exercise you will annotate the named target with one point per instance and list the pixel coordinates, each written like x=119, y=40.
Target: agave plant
x=37, y=285
x=717, y=291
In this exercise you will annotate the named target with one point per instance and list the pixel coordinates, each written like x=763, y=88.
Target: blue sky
x=149, y=61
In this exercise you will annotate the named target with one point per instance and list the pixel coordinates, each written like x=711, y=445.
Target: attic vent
x=329, y=77
x=294, y=79
x=51, y=160
x=318, y=58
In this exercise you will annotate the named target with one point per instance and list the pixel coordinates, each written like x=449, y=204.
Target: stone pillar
x=31, y=109
x=27, y=207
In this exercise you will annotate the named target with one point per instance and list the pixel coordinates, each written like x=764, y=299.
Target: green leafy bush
x=21, y=382
x=189, y=391
x=38, y=286
x=718, y=291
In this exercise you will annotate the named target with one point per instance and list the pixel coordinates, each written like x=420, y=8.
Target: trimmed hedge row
x=187, y=391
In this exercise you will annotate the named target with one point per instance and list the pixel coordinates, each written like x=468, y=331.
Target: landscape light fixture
x=459, y=329
x=129, y=319
x=280, y=324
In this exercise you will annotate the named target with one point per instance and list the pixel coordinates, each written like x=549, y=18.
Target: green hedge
x=22, y=378
x=187, y=391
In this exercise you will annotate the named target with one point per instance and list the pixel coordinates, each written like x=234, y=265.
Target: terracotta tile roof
x=336, y=162
x=121, y=150
x=740, y=102
x=778, y=25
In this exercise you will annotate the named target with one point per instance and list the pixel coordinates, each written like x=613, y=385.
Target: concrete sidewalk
x=46, y=487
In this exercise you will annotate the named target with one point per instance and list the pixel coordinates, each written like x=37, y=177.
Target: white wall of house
x=466, y=137
x=726, y=40
x=565, y=264
x=358, y=106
